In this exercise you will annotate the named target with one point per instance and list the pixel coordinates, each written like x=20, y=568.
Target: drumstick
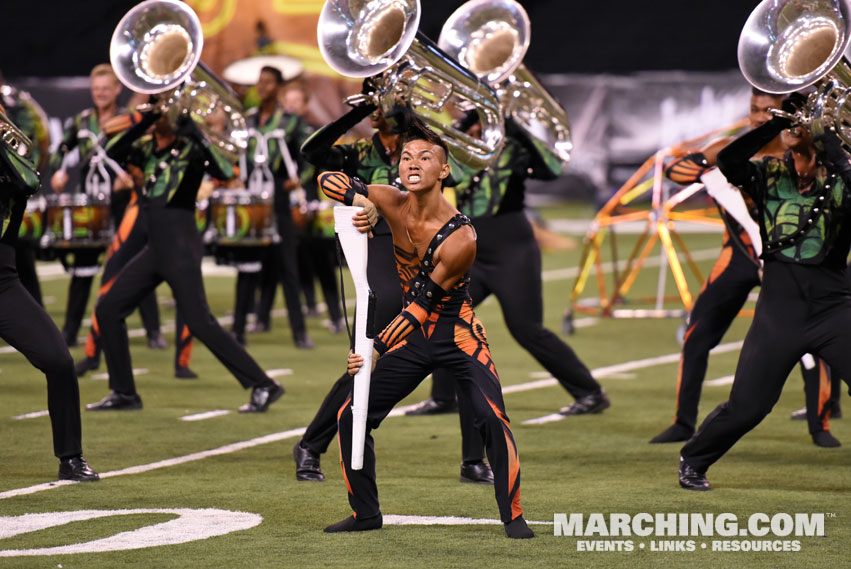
x=354, y=245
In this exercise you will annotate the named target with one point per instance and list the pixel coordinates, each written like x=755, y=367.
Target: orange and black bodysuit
x=435, y=329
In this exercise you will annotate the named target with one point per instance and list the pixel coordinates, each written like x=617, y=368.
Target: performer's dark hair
x=418, y=130
x=279, y=77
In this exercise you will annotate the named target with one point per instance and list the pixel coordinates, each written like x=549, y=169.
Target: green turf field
x=596, y=464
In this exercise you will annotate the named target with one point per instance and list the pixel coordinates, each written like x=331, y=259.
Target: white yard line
x=292, y=433
x=726, y=380
x=33, y=415
x=612, y=372
x=205, y=415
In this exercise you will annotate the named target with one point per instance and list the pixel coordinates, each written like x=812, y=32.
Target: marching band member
x=83, y=264
x=130, y=237
x=173, y=163
x=724, y=293
x=803, y=202
x=435, y=247
x=281, y=260
x=26, y=326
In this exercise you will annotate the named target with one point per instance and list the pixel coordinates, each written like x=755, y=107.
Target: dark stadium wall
x=49, y=38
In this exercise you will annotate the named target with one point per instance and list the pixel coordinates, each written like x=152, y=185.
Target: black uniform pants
x=800, y=309
x=173, y=254
x=724, y=294
x=286, y=263
x=25, y=326
x=83, y=266
x=399, y=372
x=129, y=239
x=25, y=263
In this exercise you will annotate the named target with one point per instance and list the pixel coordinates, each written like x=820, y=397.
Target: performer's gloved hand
x=367, y=217
x=829, y=144
x=399, y=118
x=794, y=103
x=187, y=128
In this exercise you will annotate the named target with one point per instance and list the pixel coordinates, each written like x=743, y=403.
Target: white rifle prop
x=354, y=245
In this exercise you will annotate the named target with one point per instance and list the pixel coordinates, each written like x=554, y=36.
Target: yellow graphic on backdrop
x=298, y=7
x=227, y=8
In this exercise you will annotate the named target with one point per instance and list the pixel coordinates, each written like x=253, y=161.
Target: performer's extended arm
x=319, y=149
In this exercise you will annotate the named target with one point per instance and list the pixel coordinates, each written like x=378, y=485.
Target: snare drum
x=77, y=221
x=32, y=225
x=242, y=218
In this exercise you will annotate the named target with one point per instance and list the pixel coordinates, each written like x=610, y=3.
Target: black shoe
x=183, y=372
x=676, y=433
x=157, y=342
x=432, y=407
x=86, y=365
x=76, y=468
x=517, y=529
x=303, y=342
x=836, y=413
x=306, y=464
x=799, y=415
x=691, y=479
x=825, y=440
x=262, y=397
x=354, y=524
x=588, y=405
x=477, y=472
x=116, y=402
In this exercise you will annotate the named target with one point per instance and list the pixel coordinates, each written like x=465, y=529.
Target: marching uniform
x=435, y=329
x=733, y=277
x=280, y=264
x=26, y=326
x=81, y=264
x=804, y=304
x=172, y=254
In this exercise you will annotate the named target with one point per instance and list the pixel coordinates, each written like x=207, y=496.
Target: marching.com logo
x=764, y=527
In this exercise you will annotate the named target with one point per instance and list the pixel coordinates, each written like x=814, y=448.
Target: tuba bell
x=789, y=45
x=156, y=49
x=490, y=38
x=379, y=39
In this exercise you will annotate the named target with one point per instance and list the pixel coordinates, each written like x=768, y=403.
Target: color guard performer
x=173, y=162
x=435, y=248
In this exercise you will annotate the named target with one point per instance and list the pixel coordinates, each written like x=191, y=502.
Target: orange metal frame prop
x=660, y=228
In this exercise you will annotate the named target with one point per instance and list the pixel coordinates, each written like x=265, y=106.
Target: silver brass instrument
x=490, y=38
x=788, y=45
x=379, y=39
x=13, y=137
x=16, y=138
x=156, y=49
